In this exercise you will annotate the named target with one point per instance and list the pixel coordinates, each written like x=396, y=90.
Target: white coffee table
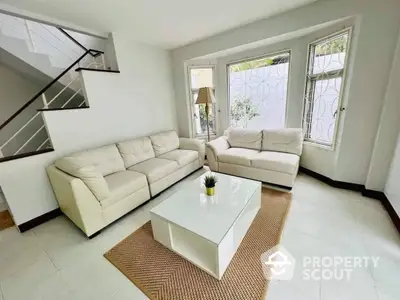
x=205, y=230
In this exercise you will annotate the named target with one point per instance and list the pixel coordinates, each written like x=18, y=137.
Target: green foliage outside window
x=242, y=111
x=203, y=117
x=248, y=65
x=337, y=45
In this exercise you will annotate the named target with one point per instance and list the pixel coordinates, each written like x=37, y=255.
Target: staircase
x=45, y=47
x=51, y=51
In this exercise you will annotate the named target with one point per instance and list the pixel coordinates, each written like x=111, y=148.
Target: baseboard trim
x=374, y=194
x=358, y=188
x=391, y=211
x=40, y=220
x=334, y=183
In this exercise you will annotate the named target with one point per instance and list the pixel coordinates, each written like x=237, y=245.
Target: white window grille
x=324, y=88
x=258, y=91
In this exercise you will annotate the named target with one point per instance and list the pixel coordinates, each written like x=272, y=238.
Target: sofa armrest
x=213, y=149
x=195, y=145
x=76, y=201
x=93, y=179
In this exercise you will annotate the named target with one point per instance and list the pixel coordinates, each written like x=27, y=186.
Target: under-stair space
x=50, y=58
x=6, y=219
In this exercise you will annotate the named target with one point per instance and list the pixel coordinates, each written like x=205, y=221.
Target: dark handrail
x=95, y=53
x=45, y=89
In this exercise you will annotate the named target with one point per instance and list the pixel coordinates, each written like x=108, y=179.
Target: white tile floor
x=56, y=261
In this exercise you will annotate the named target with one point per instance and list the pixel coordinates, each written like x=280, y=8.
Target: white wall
x=392, y=188
x=389, y=126
x=15, y=91
x=110, y=56
x=375, y=36
x=137, y=102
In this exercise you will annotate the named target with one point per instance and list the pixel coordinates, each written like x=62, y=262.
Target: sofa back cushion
x=244, y=138
x=136, y=150
x=288, y=140
x=78, y=167
x=106, y=160
x=164, y=142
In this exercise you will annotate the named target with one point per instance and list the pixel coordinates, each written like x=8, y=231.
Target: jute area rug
x=163, y=275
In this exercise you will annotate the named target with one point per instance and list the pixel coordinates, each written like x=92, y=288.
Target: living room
x=343, y=202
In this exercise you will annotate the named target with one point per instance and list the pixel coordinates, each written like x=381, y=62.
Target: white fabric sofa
x=270, y=156
x=97, y=186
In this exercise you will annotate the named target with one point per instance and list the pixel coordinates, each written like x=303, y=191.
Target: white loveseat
x=97, y=186
x=270, y=156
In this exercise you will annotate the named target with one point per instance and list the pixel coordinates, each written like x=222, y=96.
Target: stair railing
x=45, y=39
x=97, y=62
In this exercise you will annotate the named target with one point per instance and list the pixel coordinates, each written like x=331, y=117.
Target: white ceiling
x=165, y=23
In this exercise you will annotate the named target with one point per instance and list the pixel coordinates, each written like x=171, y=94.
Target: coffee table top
x=208, y=216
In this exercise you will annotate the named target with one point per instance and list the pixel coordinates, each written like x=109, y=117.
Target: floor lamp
x=206, y=96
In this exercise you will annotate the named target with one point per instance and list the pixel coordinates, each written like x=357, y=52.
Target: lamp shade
x=206, y=95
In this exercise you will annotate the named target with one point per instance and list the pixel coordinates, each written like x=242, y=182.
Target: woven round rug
x=163, y=275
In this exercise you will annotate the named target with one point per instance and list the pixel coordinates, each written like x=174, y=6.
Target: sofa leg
x=94, y=235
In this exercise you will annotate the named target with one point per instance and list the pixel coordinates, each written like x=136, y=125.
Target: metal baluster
x=46, y=105
x=103, y=60
x=94, y=62
x=28, y=31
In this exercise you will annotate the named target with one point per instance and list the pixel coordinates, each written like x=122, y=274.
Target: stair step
x=63, y=108
x=97, y=70
x=22, y=155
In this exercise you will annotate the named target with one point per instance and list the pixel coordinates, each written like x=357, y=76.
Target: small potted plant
x=209, y=182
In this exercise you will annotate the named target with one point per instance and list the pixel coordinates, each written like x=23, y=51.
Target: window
x=324, y=88
x=258, y=92
x=202, y=77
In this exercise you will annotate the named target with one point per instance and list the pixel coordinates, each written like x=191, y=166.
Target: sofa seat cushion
x=123, y=184
x=276, y=161
x=182, y=157
x=165, y=142
x=238, y=156
x=136, y=150
x=155, y=168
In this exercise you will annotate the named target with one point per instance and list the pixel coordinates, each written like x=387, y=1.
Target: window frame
x=191, y=99
x=311, y=79
x=234, y=62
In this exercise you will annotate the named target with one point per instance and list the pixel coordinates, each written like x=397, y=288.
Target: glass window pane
x=201, y=78
x=330, y=55
x=258, y=92
x=200, y=118
x=324, y=109
x=324, y=84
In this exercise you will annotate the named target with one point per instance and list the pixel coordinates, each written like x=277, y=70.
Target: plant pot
x=210, y=191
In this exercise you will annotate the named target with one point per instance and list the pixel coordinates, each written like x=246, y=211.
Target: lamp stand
x=208, y=123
